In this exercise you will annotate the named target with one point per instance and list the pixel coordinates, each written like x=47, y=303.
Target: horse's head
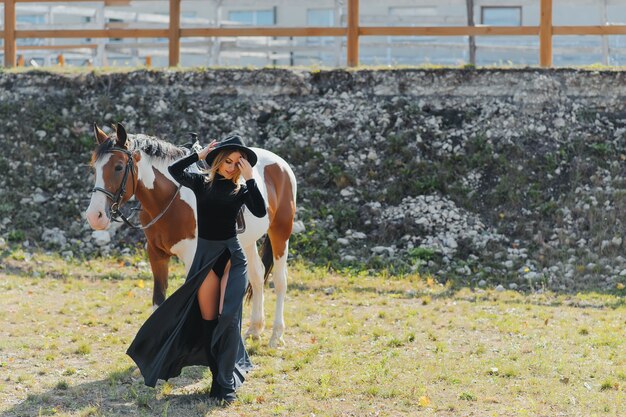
x=115, y=167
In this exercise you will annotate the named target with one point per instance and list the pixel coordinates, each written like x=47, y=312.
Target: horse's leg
x=159, y=263
x=255, y=275
x=279, y=277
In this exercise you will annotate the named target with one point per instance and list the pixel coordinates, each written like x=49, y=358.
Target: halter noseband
x=116, y=197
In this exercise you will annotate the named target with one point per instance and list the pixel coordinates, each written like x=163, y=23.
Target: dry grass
x=356, y=346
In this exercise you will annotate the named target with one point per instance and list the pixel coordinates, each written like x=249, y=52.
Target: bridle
x=117, y=197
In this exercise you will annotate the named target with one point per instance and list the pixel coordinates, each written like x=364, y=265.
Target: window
x=30, y=20
x=501, y=16
x=253, y=17
x=320, y=18
x=114, y=21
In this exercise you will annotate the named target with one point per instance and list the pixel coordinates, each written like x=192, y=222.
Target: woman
x=200, y=323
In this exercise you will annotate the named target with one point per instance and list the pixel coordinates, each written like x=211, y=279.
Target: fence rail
x=352, y=32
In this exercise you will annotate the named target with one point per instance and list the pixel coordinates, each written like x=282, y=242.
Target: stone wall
x=510, y=177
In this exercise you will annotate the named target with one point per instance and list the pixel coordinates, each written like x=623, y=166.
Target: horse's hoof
x=277, y=341
x=252, y=336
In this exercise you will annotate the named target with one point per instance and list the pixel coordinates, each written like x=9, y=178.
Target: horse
x=128, y=165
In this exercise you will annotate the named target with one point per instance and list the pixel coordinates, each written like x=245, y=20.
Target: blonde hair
x=211, y=173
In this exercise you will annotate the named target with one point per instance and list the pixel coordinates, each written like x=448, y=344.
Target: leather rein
x=116, y=198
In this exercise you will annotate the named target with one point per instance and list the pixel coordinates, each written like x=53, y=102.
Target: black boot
x=227, y=353
x=209, y=327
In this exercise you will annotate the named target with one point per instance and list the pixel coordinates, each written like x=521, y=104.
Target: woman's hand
x=245, y=168
x=204, y=152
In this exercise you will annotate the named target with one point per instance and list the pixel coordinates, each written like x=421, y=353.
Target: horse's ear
x=121, y=135
x=101, y=137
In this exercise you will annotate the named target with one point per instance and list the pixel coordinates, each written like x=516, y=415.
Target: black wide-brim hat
x=233, y=143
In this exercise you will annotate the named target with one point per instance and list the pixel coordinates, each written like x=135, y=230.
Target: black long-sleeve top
x=217, y=205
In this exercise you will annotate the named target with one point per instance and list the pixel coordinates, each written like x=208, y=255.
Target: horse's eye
x=119, y=168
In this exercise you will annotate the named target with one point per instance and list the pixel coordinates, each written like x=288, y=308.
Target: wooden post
x=174, y=32
x=148, y=61
x=545, y=34
x=61, y=60
x=20, y=60
x=9, y=33
x=472, y=39
x=353, y=33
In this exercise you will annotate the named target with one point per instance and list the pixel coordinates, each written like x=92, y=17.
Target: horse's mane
x=150, y=145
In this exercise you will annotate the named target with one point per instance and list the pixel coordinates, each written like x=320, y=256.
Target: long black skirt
x=173, y=335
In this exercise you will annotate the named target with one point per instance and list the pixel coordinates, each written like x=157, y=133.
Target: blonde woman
x=200, y=323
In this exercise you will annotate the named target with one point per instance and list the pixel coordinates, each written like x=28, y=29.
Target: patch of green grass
x=467, y=396
x=16, y=236
x=90, y=411
x=83, y=349
x=609, y=384
x=62, y=385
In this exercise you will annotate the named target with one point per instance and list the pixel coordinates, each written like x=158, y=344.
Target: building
x=318, y=51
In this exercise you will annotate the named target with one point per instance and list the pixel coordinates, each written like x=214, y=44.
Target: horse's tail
x=267, y=257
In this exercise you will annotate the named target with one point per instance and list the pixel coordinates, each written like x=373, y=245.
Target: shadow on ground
x=120, y=394
x=551, y=299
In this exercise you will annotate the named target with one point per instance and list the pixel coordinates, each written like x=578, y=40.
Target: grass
x=375, y=345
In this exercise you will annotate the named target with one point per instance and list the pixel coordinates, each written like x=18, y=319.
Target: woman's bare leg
x=209, y=296
x=223, y=283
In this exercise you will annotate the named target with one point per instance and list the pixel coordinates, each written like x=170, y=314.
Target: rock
x=499, y=288
x=381, y=249
x=358, y=235
x=532, y=276
x=482, y=283
x=39, y=198
x=347, y=192
x=451, y=243
x=54, y=237
x=298, y=227
x=101, y=237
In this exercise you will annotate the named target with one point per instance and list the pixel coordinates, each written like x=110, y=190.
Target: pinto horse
x=129, y=165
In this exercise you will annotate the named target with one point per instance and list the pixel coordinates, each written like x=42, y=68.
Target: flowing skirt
x=173, y=337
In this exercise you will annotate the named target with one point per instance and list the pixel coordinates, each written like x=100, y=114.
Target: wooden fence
x=352, y=32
